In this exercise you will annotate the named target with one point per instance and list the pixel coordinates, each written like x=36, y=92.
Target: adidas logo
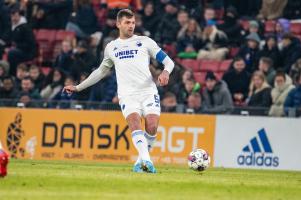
x=259, y=152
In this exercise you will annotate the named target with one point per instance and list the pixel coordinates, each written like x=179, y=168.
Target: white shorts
x=141, y=104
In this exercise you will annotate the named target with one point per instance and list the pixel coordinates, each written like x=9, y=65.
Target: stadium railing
x=180, y=108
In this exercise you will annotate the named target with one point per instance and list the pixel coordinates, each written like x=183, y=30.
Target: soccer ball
x=198, y=160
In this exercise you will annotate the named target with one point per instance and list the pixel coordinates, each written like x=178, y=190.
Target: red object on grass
x=3, y=163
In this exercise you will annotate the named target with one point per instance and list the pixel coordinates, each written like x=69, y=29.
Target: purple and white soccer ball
x=198, y=160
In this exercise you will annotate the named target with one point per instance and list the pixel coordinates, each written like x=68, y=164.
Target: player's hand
x=163, y=78
x=69, y=89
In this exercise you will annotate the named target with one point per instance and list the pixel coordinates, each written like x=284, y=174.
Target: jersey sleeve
x=107, y=62
x=157, y=53
x=152, y=47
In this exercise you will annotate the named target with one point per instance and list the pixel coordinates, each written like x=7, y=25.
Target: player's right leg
x=132, y=112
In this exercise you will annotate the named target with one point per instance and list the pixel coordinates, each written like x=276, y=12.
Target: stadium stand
x=222, y=13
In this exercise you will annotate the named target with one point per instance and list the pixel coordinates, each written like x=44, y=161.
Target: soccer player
x=137, y=92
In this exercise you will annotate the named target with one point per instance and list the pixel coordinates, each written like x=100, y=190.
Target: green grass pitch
x=75, y=180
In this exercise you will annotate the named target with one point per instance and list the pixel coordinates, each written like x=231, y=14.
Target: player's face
x=126, y=26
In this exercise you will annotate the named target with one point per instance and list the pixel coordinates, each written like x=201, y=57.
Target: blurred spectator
x=215, y=43
x=84, y=95
x=28, y=93
x=183, y=18
x=150, y=18
x=282, y=27
x=248, y=8
x=104, y=91
x=51, y=14
x=271, y=50
x=254, y=27
x=189, y=40
x=266, y=67
x=279, y=94
x=208, y=17
x=250, y=52
x=168, y=26
x=190, y=86
x=260, y=91
x=293, y=99
x=8, y=91
x=4, y=68
x=231, y=26
x=109, y=31
x=63, y=100
x=295, y=71
x=22, y=72
x=37, y=76
x=84, y=60
x=238, y=81
x=113, y=4
x=271, y=10
x=23, y=42
x=169, y=102
x=54, y=85
x=194, y=103
x=5, y=27
x=291, y=51
x=179, y=84
x=39, y=19
x=216, y=96
x=83, y=21
x=292, y=9
x=64, y=61
x=139, y=26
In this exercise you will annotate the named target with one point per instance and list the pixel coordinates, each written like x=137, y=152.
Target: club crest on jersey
x=139, y=44
x=126, y=54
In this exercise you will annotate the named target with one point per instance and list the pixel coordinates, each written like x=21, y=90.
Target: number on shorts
x=157, y=98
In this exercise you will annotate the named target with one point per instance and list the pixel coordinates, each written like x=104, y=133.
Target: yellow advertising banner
x=101, y=136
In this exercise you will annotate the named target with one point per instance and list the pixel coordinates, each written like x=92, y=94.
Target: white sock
x=141, y=144
x=150, y=140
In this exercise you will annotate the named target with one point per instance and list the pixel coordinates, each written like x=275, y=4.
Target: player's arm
x=157, y=53
x=102, y=71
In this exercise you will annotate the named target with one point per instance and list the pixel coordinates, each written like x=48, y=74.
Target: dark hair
x=238, y=58
x=27, y=78
x=289, y=36
x=267, y=60
x=8, y=78
x=281, y=73
x=125, y=13
x=22, y=66
x=169, y=94
x=34, y=67
x=15, y=9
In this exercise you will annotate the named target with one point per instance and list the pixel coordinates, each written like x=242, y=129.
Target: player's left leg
x=151, y=125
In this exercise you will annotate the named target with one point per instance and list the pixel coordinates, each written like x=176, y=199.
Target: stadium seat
x=191, y=64
x=233, y=51
x=209, y=65
x=59, y=37
x=269, y=26
x=45, y=40
x=224, y=66
x=296, y=28
x=199, y=77
x=170, y=49
x=219, y=75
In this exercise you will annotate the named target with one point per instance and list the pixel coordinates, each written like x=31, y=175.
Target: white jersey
x=131, y=58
